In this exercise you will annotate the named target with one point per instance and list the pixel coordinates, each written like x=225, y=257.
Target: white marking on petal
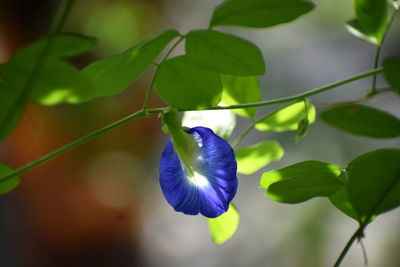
x=199, y=180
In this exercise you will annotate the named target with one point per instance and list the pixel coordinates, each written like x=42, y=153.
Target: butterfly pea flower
x=206, y=182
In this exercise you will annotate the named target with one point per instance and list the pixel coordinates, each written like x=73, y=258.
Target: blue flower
x=209, y=184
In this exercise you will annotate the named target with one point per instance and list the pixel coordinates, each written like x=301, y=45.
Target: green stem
x=243, y=135
x=376, y=62
x=150, y=90
x=143, y=112
x=80, y=141
x=303, y=95
x=378, y=52
x=61, y=16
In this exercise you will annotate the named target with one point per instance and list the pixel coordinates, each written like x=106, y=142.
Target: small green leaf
x=362, y=120
x=391, y=70
x=259, y=13
x=372, y=15
x=302, y=181
x=185, y=85
x=286, y=118
x=302, y=129
x=224, y=227
x=222, y=122
x=9, y=184
x=252, y=158
x=355, y=28
x=224, y=53
x=241, y=90
x=113, y=74
x=374, y=182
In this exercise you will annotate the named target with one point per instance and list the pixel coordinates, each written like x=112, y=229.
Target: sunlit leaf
x=374, y=182
x=9, y=184
x=392, y=71
x=224, y=227
x=241, y=90
x=185, y=85
x=355, y=28
x=113, y=74
x=286, y=118
x=222, y=122
x=224, y=53
x=372, y=16
x=56, y=82
x=259, y=13
x=302, y=181
x=362, y=120
x=252, y=158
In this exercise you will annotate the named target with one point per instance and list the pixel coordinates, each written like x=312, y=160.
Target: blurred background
x=101, y=205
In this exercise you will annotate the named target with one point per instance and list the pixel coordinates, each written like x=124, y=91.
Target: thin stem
x=376, y=62
x=348, y=245
x=243, y=135
x=302, y=95
x=80, y=141
x=378, y=52
x=144, y=112
x=61, y=16
x=150, y=90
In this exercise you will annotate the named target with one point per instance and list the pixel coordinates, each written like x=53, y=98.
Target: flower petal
x=212, y=184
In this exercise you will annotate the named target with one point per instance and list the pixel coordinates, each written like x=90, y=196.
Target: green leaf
x=372, y=15
x=222, y=122
x=286, y=118
x=355, y=29
x=224, y=227
x=113, y=74
x=374, y=182
x=362, y=120
x=9, y=184
x=340, y=199
x=224, y=53
x=302, y=129
x=241, y=90
x=10, y=107
x=56, y=82
x=391, y=70
x=61, y=45
x=185, y=85
x=302, y=181
x=252, y=158
x=66, y=45
x=259, y=13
